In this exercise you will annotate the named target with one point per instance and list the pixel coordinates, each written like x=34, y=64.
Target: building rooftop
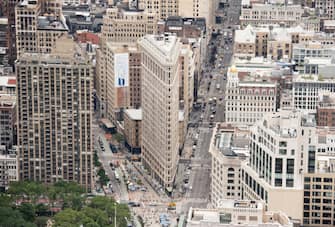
x=164, y=43
x=326, y=99
x=8, y=156
x=231, y=141
x=318, y=61
x=312, y=78
x=177, y=21
x=329, y=23
x=3, y=21
x=312, y=45
x=225, y=216
x=246, y=35
x=280, y=34
x=260, y=6
x=7, y=81
x=118, y=47
x=28, y=3
x=286, y=123
x=325, y=163
x=165, y=47
x=7, y=101
x=134, y=114
x=50, y=23
x=240, y=204
x=262, y=66
x=64, y=50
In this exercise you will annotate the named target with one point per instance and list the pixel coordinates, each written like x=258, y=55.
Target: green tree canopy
x=13, y=218
x=28, y=211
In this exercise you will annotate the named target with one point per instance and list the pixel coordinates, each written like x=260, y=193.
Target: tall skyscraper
x=38, y=25
x=160, y=105
x=161, y=8
x=123, y=78
x=282, y=149
x=7, y=10
x=54, y=115
x=3, y=41
x=121, y=26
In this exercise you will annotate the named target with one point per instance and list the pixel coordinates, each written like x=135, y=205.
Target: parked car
x=143, y=189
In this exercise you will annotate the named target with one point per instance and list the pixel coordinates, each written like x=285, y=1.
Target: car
x=186, y=180
x=134, y=204
x=143, y=189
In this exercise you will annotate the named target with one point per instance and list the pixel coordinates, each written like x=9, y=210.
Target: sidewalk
x=150, y=182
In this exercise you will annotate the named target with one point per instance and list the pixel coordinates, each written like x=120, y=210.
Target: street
x=193, y=176
x=192, y=182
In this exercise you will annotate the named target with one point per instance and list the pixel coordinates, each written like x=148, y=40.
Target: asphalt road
x=196, y=170
x=105, y=157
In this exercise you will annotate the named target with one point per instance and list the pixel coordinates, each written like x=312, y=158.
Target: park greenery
x=119, y=137
x=103, y=178
x=65, y=204
x=96, y=161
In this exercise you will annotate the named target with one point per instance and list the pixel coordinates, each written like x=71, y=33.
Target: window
x=290, y=166
x=282, y=151
x=289, y=183
x=279, y=165
x=278, y=182
x=282, y=144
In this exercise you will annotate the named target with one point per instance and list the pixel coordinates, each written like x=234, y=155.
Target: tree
x=76, y=201
x=99, y=216
x=119, y=138
x=101, y=202
x=13, y=218
x=5, y=200
x=140, y=220
x=73, y=218
x=28, y=211
x=109, y=206
x=41, y=221
x=103, y=178
x=27, y=188
x=41, y=209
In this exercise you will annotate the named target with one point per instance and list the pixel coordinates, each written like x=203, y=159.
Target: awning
x=107, y=123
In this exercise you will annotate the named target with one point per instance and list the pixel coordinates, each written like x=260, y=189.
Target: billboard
x=121, y=70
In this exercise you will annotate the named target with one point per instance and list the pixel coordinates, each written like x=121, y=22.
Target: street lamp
x=114, y=214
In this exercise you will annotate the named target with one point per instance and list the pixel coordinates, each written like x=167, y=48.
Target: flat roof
x=49, y=23
x=164, y=43
x=245, y=36
x=230, y=203
x=8, y=81
x=107, y=123
x=330, y=23
x=3, y=20
x=134, y=114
